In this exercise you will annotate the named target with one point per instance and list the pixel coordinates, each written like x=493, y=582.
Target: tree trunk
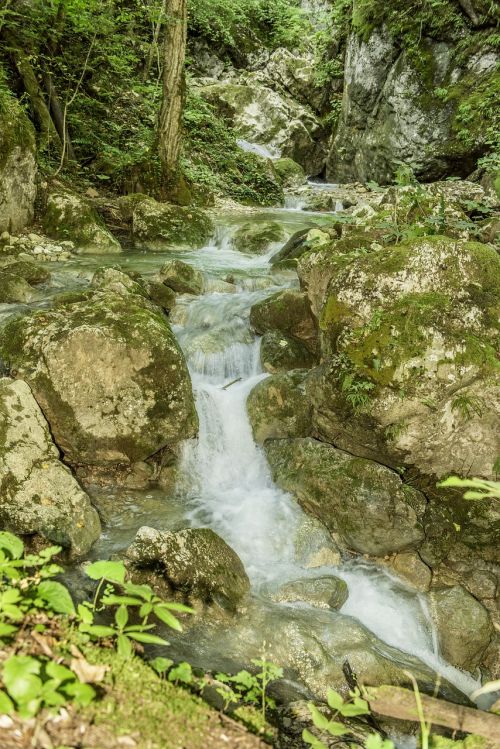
x=174, y=92
x=48, y=133
x=58, y=117
x=397, y=702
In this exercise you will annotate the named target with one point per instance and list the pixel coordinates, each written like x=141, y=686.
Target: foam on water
x=228, y=483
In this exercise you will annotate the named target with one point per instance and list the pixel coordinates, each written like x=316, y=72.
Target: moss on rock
x=160, y=226
x=257, y=237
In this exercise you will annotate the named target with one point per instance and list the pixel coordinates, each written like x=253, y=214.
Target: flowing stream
x=225, y=484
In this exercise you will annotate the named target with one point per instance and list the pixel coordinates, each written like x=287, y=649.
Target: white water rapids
x=228, y=483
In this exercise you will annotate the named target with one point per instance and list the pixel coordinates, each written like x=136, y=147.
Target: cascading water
x=228, y=484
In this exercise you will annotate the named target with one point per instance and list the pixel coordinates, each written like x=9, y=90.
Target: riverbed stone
x=279, y=353
x=464, y=626
x=32, y=272
x=364, y=502
x=290, y=313
x=181, y=277
x=69, y=216
x=164, y=226
x=108, y=374
x=277, y=407
x=256, y=237
x=14, y=288
x=194, y=560
x=38, y=494
x=326, y=592
x=289, y=172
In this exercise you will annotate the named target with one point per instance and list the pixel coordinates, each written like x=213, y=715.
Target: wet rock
x=288, y=312
x=314, y=545
x=161, y=295
x=362, y=501
x=14, y=288
x=181, y=277
x=109, y=375
x=409, y=566
x=256, y=238
x=38, y=493
x=30, y=271
x=277, y=407
x=326, y=592
x=278, y=353
x=464, y=626
x=195, y=560
x=71, y=217
x=161, y=226
x=116, y=281
x=17, y=166
x=289, y=172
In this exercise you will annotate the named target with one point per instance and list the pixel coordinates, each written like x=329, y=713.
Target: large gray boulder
x=464, y=626
x=194, y=560
x=277, y=407
x=70, y=217
x=269, y=117
x=164, y=226
x=38, y=494
x=108, y=374
x=364, y=503
x=17, y=166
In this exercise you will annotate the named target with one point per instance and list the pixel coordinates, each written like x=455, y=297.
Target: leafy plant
x=478, y=488
x=354, y=707
x=468, y=405
x=357, y=391
x=125, y=597
x=250, y=688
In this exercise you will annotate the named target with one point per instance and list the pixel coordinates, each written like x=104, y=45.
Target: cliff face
x=426, y=100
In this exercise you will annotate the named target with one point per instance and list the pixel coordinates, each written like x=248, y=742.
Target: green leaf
x=121, y=617
x=142, y=591
x=6, y=630
x=82, y=694
x=114, y=600
x=85, y=615
x=177, y=607
x=161, y=665
x=350, y=710
x=182, y=672
x=334, y=699
x=6, y=704
x=57, y=596
x=59, y=672
x=123, y=646
x=312, y=740
x=99, y=630
x=114, y=571
x=167, y=618
x=12, y=544
x=375, y=741
x=147, y=638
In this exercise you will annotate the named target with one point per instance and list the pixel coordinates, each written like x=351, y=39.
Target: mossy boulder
x=69, y=216
x=108, y=374
x=363, y=502
x=195, y=560
x=116, y=281
x=289, y=172
x=38, y=494
x=288, y=312
x=409, y=337
x=277, y=407
x=455, y=612
x=17, y=165
x=162, y=226
x=256, y=238
x=181, y=277
x=15, y=289
x=33, y=273
x=279, y=353
x=326, y=592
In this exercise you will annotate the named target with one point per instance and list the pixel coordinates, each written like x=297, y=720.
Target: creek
x=225, y=484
